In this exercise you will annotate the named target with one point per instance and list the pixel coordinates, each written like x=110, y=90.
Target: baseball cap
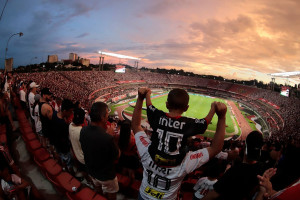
x=46, y=91
x=254, y=142
x=33, y=85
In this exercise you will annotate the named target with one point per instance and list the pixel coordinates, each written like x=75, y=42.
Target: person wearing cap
x=46, y=112
x=32, y=88
x=240, y=181
x=22, y=93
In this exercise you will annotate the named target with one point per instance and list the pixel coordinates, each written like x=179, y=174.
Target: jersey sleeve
x=153, y=115
x=196, y=126
x=142, y=143
x=195, y=159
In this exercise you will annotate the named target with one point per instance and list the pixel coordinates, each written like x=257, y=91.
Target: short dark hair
x=98, y=111
x=67, y=104
x=178, y=99
x=78, y=116
x=254, y=142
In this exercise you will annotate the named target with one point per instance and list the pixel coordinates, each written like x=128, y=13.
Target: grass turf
x=199, y=107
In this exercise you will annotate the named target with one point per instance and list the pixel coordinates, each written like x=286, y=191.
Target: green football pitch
x=199, y=106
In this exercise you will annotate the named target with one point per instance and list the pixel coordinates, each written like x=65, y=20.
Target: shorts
x=40, y=133
x=109, y=186
x=66, y=158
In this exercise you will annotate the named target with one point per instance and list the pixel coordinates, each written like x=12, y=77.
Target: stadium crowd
x=83, y=138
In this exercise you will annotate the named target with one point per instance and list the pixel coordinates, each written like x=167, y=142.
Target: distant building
x=73, y=56
x=9, y=64
x=85, y=62
x=52, y=58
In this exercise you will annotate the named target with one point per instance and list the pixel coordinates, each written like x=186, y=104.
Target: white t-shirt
x=7, y=88
x=161, y=182
x=30, y=102
x=74, y=135
x=36, y=118
x=203, y=186
x=222, y=155
x=22, y=95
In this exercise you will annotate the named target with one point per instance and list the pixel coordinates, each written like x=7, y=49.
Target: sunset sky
x=242, y=39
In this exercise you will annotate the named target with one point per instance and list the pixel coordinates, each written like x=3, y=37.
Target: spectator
x=22, y=93
x=8, y=86
x=6, y=118
x=37, y=120
x=60, y=135
x=129, y=160
x=45, y=113
x=74, y=134
x=171, y=130
x=33, y=89
x=12, y=184
x=266, y=191
x=239, y=181
x=161, y=182
x=205, y=184
x=100, y=151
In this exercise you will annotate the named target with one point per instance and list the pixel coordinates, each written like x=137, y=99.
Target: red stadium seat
x=2, y=129
x=26, y=128
x=41, y=155
x=3, y=138
x=33, y=145
x=29, y=136
x=51, y=167
x=66, y=182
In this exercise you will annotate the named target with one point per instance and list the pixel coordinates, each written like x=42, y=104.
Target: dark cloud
x=82, y=35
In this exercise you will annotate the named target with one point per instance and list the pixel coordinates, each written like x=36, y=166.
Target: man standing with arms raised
x=161, y=182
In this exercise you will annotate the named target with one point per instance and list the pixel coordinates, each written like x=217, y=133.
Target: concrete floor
x=31, y=171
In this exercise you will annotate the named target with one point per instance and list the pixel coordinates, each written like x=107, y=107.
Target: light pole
x=20, y=34
x=3, y=10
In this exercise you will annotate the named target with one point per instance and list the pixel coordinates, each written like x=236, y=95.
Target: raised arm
x=137, y=113
x=211, y=112
x=218, y=140
x=148, y=97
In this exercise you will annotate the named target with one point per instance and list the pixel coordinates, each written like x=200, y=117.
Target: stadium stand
x=280, y=114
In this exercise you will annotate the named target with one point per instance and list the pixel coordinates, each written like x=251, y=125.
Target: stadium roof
x=286, y=74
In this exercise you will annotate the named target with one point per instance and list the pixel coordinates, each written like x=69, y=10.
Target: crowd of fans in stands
x=234, y=167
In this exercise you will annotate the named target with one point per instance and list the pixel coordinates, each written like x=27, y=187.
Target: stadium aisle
x=30, y=170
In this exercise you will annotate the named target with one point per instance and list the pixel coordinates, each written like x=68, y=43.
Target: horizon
x=233, y=39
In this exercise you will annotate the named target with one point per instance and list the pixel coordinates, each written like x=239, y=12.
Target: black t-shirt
x=239, y=182
x=169, y=137
x=3, y=162
x=100, y=152
x=46, y=123
x=60, y=135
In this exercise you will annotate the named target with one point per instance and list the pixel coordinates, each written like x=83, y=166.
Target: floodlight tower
x=272, y=83
x=136, y=65
x=101, y=61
